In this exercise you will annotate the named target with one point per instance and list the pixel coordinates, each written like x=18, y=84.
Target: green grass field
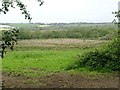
x=40, y=62
x=32, y=60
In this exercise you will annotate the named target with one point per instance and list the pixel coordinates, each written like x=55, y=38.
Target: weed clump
x=102, y=59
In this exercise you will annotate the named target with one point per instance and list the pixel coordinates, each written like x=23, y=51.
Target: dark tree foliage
x=9, y=39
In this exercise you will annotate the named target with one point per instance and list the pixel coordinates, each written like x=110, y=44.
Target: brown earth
x=61, y=80
x=60, y=42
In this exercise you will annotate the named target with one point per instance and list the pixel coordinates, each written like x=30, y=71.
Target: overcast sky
x=64, y=11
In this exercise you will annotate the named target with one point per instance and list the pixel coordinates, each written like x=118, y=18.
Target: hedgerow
x=102, y=59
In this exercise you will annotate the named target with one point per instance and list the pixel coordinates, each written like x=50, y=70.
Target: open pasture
x=43, y=53
x=43, y=65
x=46, y=55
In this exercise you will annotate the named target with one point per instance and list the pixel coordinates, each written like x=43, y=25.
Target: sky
x=64, y=11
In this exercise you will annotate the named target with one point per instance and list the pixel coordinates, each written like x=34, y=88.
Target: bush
x=105, y=58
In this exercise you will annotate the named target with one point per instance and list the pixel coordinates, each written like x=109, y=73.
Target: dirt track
x=61, y=80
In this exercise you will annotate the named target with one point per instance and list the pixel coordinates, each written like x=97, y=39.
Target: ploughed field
x=42, y=63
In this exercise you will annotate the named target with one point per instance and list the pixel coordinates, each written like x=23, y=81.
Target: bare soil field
x=60, y=42
x=61, y=80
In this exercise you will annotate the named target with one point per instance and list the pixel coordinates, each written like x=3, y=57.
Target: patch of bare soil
x=59, y=42
x=61, y=80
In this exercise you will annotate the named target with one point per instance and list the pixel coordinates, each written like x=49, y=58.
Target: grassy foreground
x=34, y=58
x=40, y=62
x=54, y=56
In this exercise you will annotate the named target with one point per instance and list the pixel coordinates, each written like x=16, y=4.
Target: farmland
x=44, y=52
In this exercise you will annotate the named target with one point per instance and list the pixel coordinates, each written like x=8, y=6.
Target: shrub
x=105, y=58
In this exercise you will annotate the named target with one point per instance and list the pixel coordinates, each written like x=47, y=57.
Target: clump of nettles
x=103, y=59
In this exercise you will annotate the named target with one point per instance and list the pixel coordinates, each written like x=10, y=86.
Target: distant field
x=58, y=26
x=57, y=44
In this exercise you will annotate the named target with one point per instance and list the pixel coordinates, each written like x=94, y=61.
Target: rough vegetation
x=82, y=31
x=103, y=59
